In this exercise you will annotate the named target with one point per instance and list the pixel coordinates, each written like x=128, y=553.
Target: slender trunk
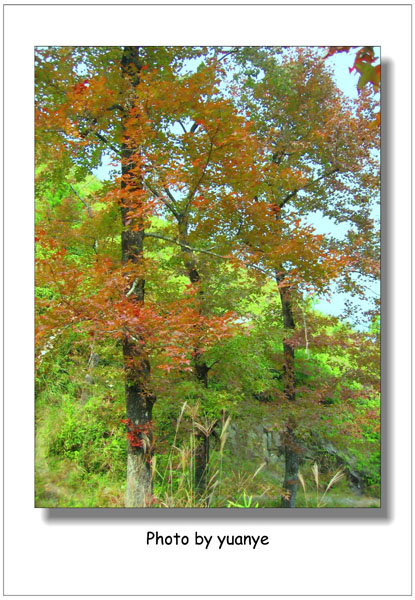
x=291, y=470
x=202, y=439
x=290, y=442
x=200, y=368
x=93, y=362
x=93, y=357
x=139, y=411
x=139, y=400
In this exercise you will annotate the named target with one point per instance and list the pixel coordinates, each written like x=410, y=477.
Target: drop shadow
x=353, y=515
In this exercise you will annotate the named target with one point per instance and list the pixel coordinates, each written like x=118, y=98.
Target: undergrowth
x=81, y=451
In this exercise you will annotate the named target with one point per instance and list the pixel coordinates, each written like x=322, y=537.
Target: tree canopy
x=198, y=257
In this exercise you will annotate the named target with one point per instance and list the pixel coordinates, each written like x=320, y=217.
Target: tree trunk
x=291, y=469
x=139, y=412
x=201, y=461
x=139, y=400
x=200, y=368
x=89, y=381
x=290, y=442
x=202, y=439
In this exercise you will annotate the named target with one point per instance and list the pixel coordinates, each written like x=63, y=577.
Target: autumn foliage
x=218, y=162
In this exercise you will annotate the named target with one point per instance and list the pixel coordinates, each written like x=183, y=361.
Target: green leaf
x=368, y=74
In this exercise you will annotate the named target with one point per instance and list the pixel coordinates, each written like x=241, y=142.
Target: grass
x=77, y=465
x=318, y=499
x=174, y=482
x=81, y=458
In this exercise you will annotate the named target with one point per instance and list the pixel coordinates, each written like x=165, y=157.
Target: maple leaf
x=336, y=49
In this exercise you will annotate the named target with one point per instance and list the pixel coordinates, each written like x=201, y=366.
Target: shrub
x=91, y=435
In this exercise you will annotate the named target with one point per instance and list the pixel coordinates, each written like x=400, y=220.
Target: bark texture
x=200, y=368
x=290, y=442
x=291, y=469
x=139, y=400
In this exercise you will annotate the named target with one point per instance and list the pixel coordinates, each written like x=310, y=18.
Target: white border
x=305, y=557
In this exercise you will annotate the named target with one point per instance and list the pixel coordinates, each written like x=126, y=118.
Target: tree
x=189, y=167
x=75, y=119
x=73, y=112
x=321, y=154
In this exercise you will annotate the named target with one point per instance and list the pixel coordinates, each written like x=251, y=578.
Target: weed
x=319, y=499
x=244, y=502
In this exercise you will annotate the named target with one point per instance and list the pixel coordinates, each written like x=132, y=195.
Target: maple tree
x=320, y=153
x=221, y=174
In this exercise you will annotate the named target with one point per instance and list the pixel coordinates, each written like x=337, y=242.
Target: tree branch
x=182, y=126
x=194, y=127
x=132, y=288
x=116, y=107
x=213, y=364
x=307, y=185
x=200, y=250
x=184, y=246
x=195, y=188
x=104, y=139
x=167, y=204
x=89, y=211
x=84, y=202
x=170, y=195
x=234, y=51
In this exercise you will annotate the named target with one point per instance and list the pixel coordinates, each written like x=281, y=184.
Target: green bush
x=89, y=435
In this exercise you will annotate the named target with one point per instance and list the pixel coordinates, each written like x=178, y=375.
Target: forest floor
x=80, y=456
x=61, y=484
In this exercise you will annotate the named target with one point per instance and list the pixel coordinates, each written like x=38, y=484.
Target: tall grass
x=174, y=481
x=318, y=500
x=174, y=474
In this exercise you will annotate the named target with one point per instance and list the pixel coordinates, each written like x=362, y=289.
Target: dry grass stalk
x=338, y=475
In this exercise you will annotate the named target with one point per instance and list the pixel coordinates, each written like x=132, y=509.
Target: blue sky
x=347, y=83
